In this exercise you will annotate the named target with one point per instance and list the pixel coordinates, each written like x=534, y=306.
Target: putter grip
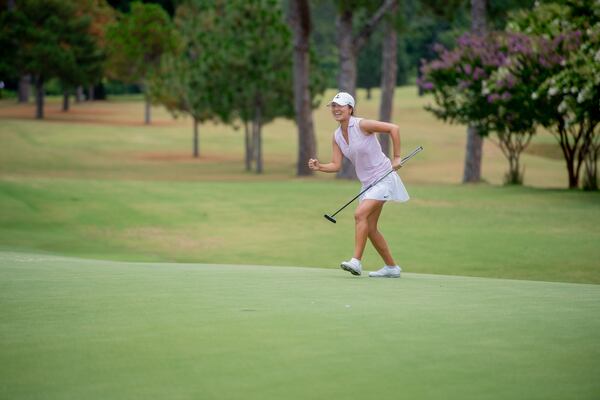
x=411, y=155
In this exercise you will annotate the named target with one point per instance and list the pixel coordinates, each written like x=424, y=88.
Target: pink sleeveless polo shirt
x=364, y=151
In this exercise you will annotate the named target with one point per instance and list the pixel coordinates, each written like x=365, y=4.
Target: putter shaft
x=405, y=159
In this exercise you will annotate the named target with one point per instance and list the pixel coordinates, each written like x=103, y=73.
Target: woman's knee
x=373, y=232
x=361, y=215
x=367, y=211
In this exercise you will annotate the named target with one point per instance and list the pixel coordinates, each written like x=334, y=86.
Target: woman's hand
x=397, y=163
x=314, y=164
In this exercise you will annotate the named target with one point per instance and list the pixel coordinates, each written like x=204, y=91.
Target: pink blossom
x=462, y=85
x=510, y=81
x=478, y=73
x=492, y=98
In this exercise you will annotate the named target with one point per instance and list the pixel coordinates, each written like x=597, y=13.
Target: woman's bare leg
x=361, y=219
x=377, y=238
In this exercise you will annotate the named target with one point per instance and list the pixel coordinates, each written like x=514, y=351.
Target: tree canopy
x=135, y=44
x=235, y=65
x=542, y=70
x=49, y=39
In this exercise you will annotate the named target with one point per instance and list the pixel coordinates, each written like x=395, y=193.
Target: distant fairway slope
x=95, y=182
x=486, y=231
x=84, y=329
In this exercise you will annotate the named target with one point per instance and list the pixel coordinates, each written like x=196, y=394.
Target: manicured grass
x=506, y=232
x=188, y=278
x=108, y=140
x=75, y=328
x=96, y=182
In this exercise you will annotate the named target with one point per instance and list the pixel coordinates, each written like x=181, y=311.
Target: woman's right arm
x=333, y=166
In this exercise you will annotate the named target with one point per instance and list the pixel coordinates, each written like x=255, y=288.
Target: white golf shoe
x=353, y=266
x=387, y=272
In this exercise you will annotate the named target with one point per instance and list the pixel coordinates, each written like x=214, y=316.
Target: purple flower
x=462, y=85
x=492, y=98
x=502, y=58
x=478, y=73
x=437, y=64
x=519, y=44
x=463, y=40
x=510, y=81
x=438, y=48
x=423, y=84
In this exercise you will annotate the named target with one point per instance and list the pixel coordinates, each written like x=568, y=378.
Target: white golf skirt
x=390, y=188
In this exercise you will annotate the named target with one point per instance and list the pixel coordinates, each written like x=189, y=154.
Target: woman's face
x=340, y=113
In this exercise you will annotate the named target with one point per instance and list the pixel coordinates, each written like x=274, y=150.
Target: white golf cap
x=343, y=99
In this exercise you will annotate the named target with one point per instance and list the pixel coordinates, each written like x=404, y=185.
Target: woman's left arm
x=370, y=126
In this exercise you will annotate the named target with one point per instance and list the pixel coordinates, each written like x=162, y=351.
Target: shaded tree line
x=46, y=39
x=241, y=63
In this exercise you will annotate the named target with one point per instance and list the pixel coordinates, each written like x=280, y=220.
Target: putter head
x=330, y=218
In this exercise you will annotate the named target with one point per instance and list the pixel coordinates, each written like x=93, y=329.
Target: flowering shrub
x=576, y=89
x=457, y=77
x=480, y=82
x=543, y=70
x=567, y=99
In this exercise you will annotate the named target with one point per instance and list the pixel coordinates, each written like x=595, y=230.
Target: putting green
x=75, y=328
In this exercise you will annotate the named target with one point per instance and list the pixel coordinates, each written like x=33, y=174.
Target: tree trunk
x=25, y=80
x=146, y=110
x=478, y=17
x=79, y=96
x=514, y=175
x=24, y=85
x=347, y=52
x=389, y=70
x=569, y=154
x=573, y=178
x=256, y=133
x=574, y=144
x=39, y=97
x=590, y=178
x=196, y=139
x=307, y=144
x=249, y=147
x=349, y=46
x=347, y=74
x=420, y=91
x=472, y=172
x=474, y=150
x=65, y=106
x=590, y=175
x=91, y=93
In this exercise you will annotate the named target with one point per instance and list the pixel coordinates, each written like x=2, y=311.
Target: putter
x=405, y=159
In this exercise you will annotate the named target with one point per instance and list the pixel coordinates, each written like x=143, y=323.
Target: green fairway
x=486, y=231
x=108, y=140
x=95, y=182
x=130, y=270
x=75, y=328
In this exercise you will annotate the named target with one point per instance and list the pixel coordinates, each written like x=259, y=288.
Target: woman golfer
x=355, y=138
